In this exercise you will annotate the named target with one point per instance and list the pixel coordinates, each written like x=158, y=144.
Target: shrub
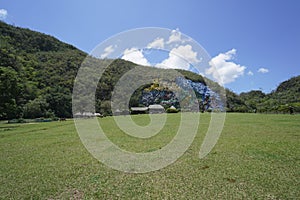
x=172, y=110
x=20, y=120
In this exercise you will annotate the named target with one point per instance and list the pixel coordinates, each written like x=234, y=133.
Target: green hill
x=37, y=74
x=281, y=100
x=288, y=91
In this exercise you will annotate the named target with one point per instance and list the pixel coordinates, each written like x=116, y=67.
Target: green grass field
x=256, y=157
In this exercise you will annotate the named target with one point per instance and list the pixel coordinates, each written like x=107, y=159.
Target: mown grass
x=256, y=157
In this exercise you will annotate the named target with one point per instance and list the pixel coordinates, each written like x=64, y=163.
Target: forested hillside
x=285, y=99
x=37, y=74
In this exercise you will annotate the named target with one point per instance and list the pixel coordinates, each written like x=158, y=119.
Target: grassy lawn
x=256, y=157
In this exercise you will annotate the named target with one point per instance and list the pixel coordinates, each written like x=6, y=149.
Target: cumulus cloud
x=107, y=51
x=158, y=43
x=175, y=36
x=223, y=69
x=262, y=70
x=136, y=56
x=3, y=14
x=174, y=62
x=180, y=58
x=250, y=73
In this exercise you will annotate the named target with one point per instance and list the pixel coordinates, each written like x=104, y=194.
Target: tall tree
x=11, y=91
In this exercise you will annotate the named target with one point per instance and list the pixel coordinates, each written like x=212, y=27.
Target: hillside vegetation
x=37, y=74
x=285, y=99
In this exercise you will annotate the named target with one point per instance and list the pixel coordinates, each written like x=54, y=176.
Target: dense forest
x=284, y=99
x=37, y=74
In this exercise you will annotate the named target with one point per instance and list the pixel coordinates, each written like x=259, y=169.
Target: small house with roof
x=156, y=108
x=138, y=110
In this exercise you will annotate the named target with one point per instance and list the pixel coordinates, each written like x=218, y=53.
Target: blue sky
x=255, y=43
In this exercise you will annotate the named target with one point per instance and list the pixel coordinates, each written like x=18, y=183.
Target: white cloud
x=3, y=14
x=250, y=73
x=107, y=51
x=180, y=58
x=158, y=43
x=175, y=36
x=174, y=62
x=223, y=69
x=136, y=56
x=263, y=70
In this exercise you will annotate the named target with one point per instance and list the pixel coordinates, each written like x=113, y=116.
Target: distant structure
x=87, y=115
x=172, y=107
x=138, y=110
x=151, y=109
x=156, y=108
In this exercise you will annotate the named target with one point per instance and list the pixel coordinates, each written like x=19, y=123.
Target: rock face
x=206, y=99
